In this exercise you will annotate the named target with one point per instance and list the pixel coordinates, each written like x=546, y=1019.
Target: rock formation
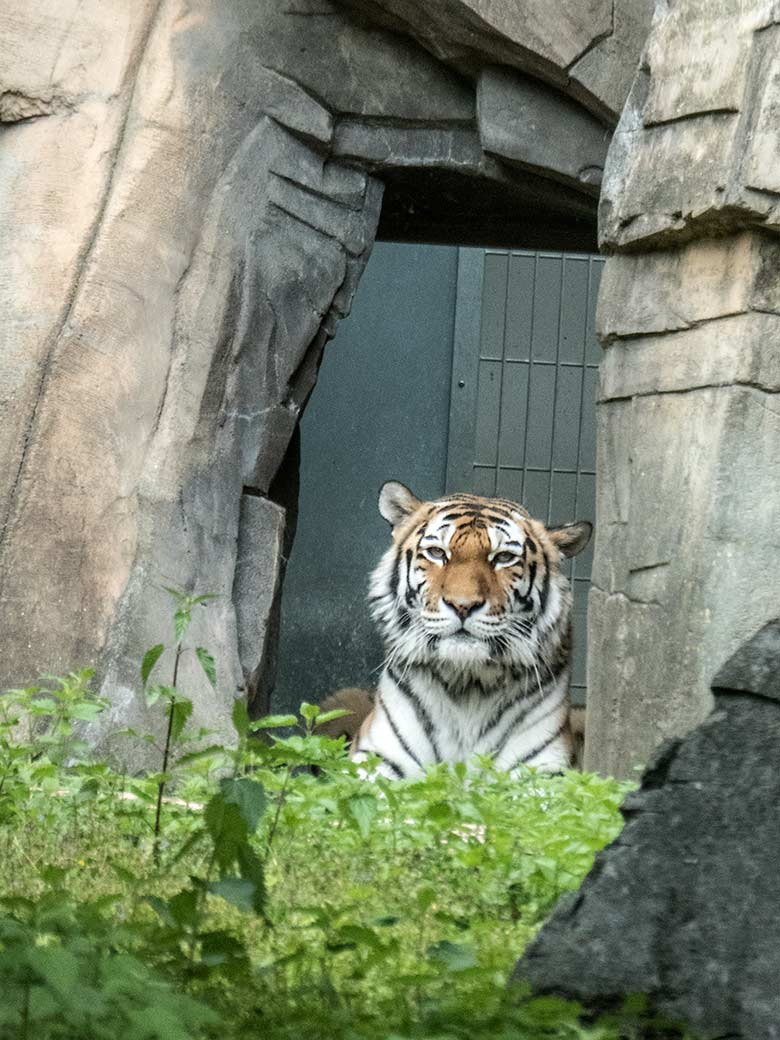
x=190, y=192
x=689, y=422
x=682, y=907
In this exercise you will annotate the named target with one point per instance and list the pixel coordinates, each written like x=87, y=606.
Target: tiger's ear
x=396, y=502
x=571, y=538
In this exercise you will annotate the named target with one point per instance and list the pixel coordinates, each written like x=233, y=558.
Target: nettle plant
x=265, y=888
x=40, y=743
x=177, y=707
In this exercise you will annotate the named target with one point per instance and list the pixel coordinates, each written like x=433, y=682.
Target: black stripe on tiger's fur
x=476, y=633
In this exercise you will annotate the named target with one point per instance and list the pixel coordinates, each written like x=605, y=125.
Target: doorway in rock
x=459, y=369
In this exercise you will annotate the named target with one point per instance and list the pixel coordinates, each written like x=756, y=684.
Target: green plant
x=178, y=708
x=294, y=898
x=40, y=744
x=66, y=975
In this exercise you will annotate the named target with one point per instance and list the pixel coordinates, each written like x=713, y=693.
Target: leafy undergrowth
x=268, y=890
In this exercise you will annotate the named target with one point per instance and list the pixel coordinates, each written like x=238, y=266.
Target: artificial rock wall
x=687, y=538
x=682, y=906
x=188, y=194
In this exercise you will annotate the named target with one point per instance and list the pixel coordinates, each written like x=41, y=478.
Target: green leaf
x=220, y=947
x=455, y=956
x=86, y=711
x=181, y=622
x=248, y=795
x=53, y=876
x=124, y=874
x=202, y=754
x=309, y=711
x=177, y=594
x=183, y=907
x=359, y=935
x=240, y=717
x=161, y=908
x=151, y=657
x=188, y=845
x=441, y=813
x=56, y=965
x=274, y=722
x=362, y=808
x=152, y=696
x=252, y=869
x=425, y=897
x=43, y=706
x=227, y=828
x=207, y=664
x=337, y=713
x=154, y=693
x=238, y=891
x=181, y=711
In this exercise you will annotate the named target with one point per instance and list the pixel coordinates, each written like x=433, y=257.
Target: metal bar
x=501, y=384
x=530, y=372
x=461, y=438
x=555, y=391
x=582, y=398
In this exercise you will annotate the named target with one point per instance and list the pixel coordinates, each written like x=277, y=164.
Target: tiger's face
x=471, y=583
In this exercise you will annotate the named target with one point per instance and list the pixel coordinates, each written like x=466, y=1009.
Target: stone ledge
x=742, y=349
x=673, y=289
x=524, y=122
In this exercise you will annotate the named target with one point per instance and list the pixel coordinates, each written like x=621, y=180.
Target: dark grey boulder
x=683, y=906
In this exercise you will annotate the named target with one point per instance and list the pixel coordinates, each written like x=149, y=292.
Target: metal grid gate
x=525, y=377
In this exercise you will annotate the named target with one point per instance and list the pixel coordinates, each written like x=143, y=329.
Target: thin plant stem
x=193, y=943
x=166, y=755
x=275, y=821
x=25, y=1023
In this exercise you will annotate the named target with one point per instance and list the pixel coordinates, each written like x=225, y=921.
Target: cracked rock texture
x=683, y=905
x=585, y=48
x=687, y=541
x=189, y=192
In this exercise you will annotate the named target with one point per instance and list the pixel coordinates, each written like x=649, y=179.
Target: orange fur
x=354, y=699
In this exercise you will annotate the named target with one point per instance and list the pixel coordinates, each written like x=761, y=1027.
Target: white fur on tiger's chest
x=418, y=723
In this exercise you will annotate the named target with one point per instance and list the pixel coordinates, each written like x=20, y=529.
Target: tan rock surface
x=689, y=435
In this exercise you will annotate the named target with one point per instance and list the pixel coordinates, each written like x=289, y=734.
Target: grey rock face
x=585, y=47
x=521, y=121
x=683, y=905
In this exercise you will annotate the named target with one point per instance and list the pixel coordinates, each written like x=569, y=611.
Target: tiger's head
x=470, y=584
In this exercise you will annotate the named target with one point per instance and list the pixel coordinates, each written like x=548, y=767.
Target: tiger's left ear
x=571, y=538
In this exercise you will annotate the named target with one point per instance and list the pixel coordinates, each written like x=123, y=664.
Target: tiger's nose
x=463, y=607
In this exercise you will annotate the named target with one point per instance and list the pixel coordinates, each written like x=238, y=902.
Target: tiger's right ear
x=396, y=502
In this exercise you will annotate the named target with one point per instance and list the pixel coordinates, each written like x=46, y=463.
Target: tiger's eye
x=435, y=553
x=505, y=557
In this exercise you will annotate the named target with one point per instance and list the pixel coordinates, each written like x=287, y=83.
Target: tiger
x=357, y=702
x=475, y=616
